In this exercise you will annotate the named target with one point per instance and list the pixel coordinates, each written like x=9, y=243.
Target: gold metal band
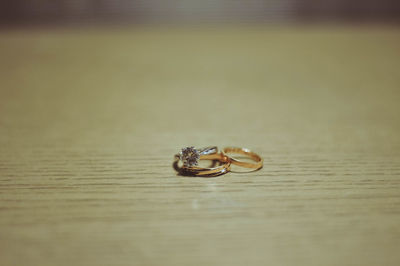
x=255, y=157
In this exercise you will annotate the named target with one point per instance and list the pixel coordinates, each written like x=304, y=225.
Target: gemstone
x=189, y=156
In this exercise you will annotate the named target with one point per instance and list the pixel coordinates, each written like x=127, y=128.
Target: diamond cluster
x=189, y=156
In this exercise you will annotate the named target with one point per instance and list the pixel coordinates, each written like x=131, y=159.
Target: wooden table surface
x=90, y=120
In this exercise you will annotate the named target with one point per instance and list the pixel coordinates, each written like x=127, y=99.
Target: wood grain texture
x=90, y=121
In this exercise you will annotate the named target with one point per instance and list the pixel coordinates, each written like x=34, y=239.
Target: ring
x=255, y=157
x=191, y=156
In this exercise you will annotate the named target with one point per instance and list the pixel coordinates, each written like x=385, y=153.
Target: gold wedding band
x=243, y=151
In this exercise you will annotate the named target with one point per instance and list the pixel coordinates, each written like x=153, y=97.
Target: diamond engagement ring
x=190, y=157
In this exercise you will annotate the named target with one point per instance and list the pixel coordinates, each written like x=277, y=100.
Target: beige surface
x=90, y=121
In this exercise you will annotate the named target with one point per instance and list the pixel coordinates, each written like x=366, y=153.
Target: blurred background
x=175, y=11
x=90, y=118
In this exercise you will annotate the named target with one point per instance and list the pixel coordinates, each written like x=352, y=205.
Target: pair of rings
x=190, y=156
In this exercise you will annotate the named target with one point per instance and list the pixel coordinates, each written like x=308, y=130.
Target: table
x=90, y=119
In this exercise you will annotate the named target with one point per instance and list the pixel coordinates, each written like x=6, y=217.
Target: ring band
x=208, y=150
x=255, y=157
